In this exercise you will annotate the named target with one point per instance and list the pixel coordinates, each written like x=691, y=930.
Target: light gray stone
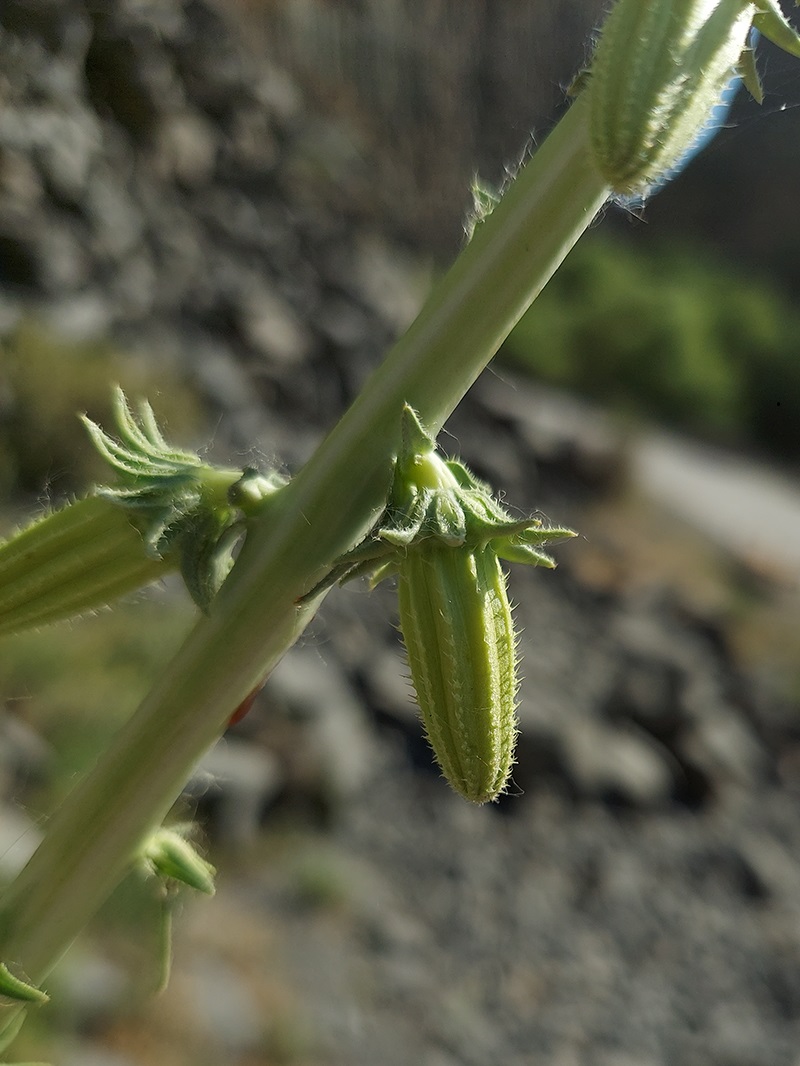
x=86, y=1054
x=224, y=1006
x=92, y=987
x=337, y=728
x=271, y=327
x=241, y=779
x=186, y=148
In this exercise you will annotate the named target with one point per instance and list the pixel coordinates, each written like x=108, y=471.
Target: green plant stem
x=329, y=505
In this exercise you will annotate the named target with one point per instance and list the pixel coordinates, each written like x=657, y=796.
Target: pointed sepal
x=771, y=21
x=435, y=501
x=182, y=506
x=748, y=72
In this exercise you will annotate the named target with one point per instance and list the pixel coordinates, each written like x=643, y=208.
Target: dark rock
x=20, y=265
x=48, y=21
x=128, y=75
x=648, y=694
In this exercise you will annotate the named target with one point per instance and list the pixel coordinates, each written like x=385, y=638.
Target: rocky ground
x=635, y=899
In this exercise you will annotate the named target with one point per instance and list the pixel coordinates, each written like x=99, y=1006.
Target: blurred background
x=234, y=208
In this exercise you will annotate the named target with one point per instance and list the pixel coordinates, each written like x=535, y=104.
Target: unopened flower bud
x=169, y=854
x=658, y=74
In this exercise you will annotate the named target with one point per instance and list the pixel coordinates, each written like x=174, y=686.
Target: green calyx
x=659, y=72
x=166, y=511
x=168, y=856
x=439, y=501
x=182, y=506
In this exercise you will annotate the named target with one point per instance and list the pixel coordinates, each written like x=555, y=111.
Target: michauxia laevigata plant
x=444, y=534
x=328, y=507
x=167, y=510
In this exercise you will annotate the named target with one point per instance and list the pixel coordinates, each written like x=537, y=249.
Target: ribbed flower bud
x=15, y=988
x=76, y=559
x=459, y=634
x=658, y=74
x=444, y=534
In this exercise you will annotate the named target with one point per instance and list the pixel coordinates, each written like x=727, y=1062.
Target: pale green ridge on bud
x=443, y=533
x=658, y=73
x=77, y=559
x=168, y=854
x=15, y=988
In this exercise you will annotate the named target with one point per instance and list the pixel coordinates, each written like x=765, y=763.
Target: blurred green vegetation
x=671, y=335
x=45, y=382
x=76, y=682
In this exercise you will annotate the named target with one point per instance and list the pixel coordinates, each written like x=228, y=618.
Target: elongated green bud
x=76, y=559
x=444, y=534
x=458, y=631
x=658, y=74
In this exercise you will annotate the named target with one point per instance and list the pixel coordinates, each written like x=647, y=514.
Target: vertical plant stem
x=329, y=505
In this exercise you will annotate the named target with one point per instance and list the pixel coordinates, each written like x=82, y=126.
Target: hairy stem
x=328, y=507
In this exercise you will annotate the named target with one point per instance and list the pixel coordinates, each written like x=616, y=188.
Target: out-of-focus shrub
x=673, y=336
x=46, y=381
